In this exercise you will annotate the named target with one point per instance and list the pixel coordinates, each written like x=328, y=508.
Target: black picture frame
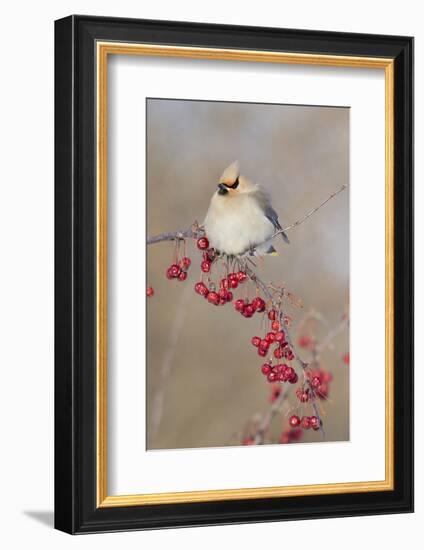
x=75, y=275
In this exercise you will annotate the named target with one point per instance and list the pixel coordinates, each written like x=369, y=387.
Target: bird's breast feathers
x=237, y=224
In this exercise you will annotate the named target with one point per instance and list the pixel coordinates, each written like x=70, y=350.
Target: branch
x=330, y=337
x=266, y=421
x=191, y=232
x=306, y=216
x=167, y=363
x=300, y=361
x=196, y=230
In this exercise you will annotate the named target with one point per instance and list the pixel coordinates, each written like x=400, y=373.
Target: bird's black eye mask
x=234, y=186
x=223, y=187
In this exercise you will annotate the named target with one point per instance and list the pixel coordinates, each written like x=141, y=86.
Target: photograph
x=247, y=260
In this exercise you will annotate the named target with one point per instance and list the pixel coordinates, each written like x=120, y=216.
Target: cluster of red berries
x=290, y=436
x=319, y=381
x=244, y=307
x=274, y=338
x=306, y=422
x=216, y=298
x=279, y=373
x=304, y=394
x=208, y=255
x=224, y=294
x=179, y=270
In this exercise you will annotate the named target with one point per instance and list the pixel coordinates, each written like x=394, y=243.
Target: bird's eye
x=235, y=184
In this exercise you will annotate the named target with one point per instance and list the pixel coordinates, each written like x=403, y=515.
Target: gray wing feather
x=264, y=201
x=272, y=215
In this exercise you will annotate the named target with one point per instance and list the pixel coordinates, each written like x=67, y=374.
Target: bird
x=240, y=220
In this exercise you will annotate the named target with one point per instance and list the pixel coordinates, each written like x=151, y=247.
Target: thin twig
x=267, y=419
x=330, y=337
x=167, y=363
x=193, y=231
x=306, y=216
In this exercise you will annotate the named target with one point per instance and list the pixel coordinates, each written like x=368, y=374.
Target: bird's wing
x=270, y=213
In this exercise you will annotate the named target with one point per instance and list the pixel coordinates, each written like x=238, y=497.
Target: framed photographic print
x=234, y=274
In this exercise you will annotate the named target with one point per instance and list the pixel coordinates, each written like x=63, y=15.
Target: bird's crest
x=231, y=173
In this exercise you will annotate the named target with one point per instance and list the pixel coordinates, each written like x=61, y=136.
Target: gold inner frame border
x=103, y=50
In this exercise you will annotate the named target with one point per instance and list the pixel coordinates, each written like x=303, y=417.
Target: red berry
x=315, y=423
x=230, y=296
x=272, y=377
x=294, y=379
x=149, y=291
x=239, y=305
x=259, y=304
x=284, y=375
x=315, y=382
x=213, y=298
x=295, y=434
x=294, y=421
x=270, y=337
x=201, y=289
x=326, y=376
x=322, y=391
x=175, y=270
x=248, y=310
x=182, y=276
x=224, y=284
x=170, y=274
x=278, y=353
x=202, y=243
x=346, y=358
x=289, y=372
x=272, y=314
x=185, y=262
x=241, y=276
x=302, y=395
x=264, y=344
x=306, y=422
x=304, y=341
x=262, y=352
x=266, y=368
x=256, y=341
x=275, y=325
x=287, y=352
x=233, y=283
x=205, y=266
x=222, y=293
x=279, y=336
x=285, y=438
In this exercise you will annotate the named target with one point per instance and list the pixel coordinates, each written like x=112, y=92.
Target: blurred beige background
x=203, y=376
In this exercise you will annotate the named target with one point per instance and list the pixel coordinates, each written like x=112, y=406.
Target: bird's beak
x=222, y=190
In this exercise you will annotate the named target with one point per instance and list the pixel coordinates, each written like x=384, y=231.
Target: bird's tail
x=284, y=237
